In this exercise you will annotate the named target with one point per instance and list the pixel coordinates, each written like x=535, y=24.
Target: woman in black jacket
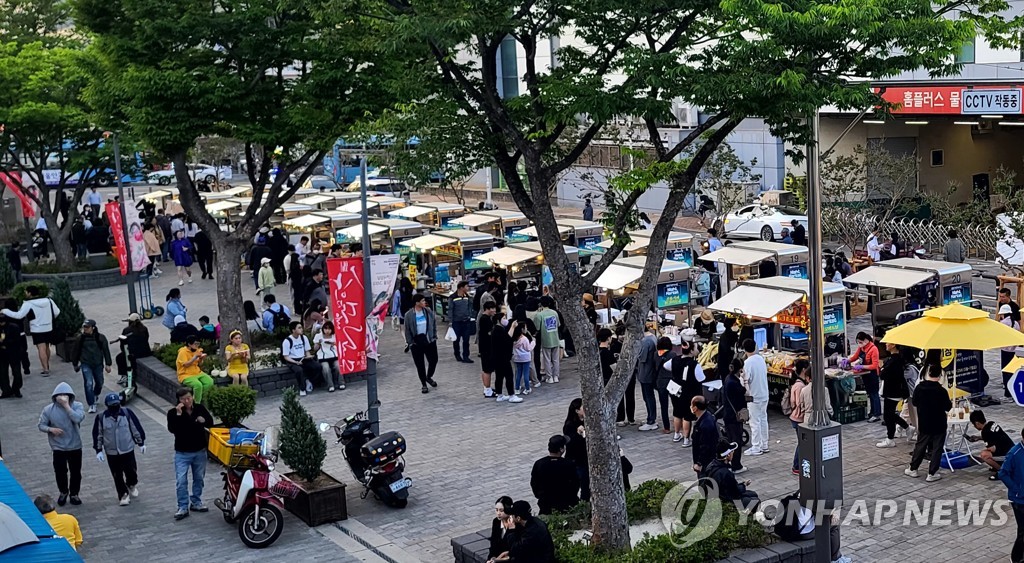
x=734, y=397
x=665, y=354
x=894, y=390
x=498, y=543
x=576, y=449
x=501, y=349
x=727, y=347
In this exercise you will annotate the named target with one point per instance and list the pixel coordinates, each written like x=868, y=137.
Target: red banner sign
x=950, y=100
x=113, y=211
x=348, y=298
x=14, y=183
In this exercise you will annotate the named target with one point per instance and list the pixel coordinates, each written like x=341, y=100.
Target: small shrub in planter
x=321, y=498
x=232, y=404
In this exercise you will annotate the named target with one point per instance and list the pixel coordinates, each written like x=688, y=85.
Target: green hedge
x=644, y=503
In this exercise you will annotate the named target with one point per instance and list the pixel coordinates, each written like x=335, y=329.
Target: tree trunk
x=60, y=241
x=226, y=260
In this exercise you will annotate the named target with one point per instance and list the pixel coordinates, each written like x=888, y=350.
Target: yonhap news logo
x=691, y=512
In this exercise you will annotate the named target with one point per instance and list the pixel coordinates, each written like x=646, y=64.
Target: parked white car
x=761, y=221
x=195, y=171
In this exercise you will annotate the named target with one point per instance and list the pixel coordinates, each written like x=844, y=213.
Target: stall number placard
x=958, y=293
x=672, y=294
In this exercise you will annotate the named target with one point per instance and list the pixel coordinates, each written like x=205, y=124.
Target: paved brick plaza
x=464, y=452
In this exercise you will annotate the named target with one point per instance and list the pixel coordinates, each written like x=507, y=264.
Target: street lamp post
x=373, y=406
x=132, y=276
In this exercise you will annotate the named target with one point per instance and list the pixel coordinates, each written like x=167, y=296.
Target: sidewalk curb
x=374, y=542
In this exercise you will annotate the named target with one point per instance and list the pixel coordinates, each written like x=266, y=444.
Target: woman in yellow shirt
x=237, y=355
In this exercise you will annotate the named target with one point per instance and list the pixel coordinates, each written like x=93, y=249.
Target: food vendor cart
x=377, y=206
x=428, y=214
x=584, y=235
x=446, y=212
x=735, y=265
x=385, y=234
x=447, y=255
x=225, y=212
x=791, y=259
x=316, y=227
x=571, y=252
x=340, y=219
x=623, y=278
x=291, y=210
x=162, y=197
x=341, y=198
x=909, y=284
x=777, y=308
x=509, y=225
x=677, y=246
x=477, y=222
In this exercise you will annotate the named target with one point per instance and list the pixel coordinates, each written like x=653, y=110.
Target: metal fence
x=840, y=224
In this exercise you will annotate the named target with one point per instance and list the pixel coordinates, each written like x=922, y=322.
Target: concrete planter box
x=163, y=381
x=472, y=548
x=80, y=281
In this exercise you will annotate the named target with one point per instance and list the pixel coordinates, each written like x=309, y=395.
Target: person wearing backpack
x=42, y=315
x=791, y=403
x=275, y=315
x=297, y=354
x=797, y=524
x=894, y=390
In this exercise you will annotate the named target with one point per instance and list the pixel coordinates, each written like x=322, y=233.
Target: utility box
x=820, y=462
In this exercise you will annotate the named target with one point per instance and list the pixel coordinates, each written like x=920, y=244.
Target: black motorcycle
x=376, y=461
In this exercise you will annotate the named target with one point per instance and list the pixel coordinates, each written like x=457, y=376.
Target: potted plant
x=321, y=498
x=69, y=321
x=231, y=404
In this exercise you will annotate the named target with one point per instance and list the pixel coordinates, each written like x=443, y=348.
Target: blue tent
x=50, y=547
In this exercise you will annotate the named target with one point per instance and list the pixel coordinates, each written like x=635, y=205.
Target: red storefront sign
x=345, y=280
x=113, y=210
x=952, y=100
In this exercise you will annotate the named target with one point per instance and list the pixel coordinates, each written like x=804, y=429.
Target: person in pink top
x=869, y=368
x=801, y=379
x=523, y=344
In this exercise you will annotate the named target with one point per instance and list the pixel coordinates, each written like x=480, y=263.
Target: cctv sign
x=977, y=102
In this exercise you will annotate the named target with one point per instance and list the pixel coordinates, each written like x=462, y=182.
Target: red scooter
x=253, y=493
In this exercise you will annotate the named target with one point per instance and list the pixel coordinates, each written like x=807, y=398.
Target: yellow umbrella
x=979, y=333
x=1015, y=364
x=956, y=312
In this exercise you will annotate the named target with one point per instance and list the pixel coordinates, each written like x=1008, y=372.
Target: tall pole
x=490, y=181
x=371, y=376
x=132, y=304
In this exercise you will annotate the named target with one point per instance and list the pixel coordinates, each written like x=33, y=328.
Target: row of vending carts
x=747, y=260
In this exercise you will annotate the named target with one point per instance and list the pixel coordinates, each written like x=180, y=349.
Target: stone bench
x=162, y=380
x=473, y=548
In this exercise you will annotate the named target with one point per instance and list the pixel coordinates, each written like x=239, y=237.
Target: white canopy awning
x=636, y=245
x=641, y=261
x=306, y=221
x=894, y=278
x=427, y=242
x=295, y=208
x=231, y=192
x=356, y=232
x=737, y=256
x=357, y=206
x=531, y=231
x=157, y=194
x=474, y=220
x=758, y=302
x=315, y=200
x=220, y=206
x=411, y=212
x=508, y=256
x=618, y=276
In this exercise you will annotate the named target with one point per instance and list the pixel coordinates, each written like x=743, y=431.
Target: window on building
x=509, y=68
x=938, y=158
x=966, y=55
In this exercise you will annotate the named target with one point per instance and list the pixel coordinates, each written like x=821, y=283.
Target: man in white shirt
x=302, y=249
x=177, y=224
x=298, y=356
x=874, y=247
x=755, y=370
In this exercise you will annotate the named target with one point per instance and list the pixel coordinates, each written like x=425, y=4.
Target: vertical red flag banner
x=113, y=210
x=19, y=189
x=348, y=298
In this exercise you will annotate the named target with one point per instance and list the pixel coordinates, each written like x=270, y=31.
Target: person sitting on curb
x=997, y=443
x=65, y=525
x=720, y=471
x=189, y=373
x=527, y=538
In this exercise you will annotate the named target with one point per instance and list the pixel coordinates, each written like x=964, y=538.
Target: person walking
x=325, y=346
x=735, y=412
x=797, y=414
x=522, y=355
x=181, y=252
x=91, y=354
x=421, y=337
x=932, y=402
x=501, y=348
x=547, y=323
x=61, y=420
x=866, y=361
x=647, y=376
x=894, y=390
x=13, y=347
x=588, y=214
x=756, y=372
x=189, y=373
x=189, y=422
x=687, y=375
x=955, y=250
x=64, y=525
x=151, y=239
x=705, y=434
x=204, y=253
x=41, y=324
x=115, y=433
x=1012, y=475
x=460, y=307
x=1006, y=355
x=163, y=222
x=553, y=479
x=265, y=279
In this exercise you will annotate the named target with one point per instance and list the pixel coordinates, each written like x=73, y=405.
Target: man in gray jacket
x=61, y=420
x=421, y=337
x=115, y=433
x=460, y=309
x=647, y=374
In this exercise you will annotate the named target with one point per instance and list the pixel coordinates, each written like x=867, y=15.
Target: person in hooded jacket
x=115, y=433
x=894, y=390
x=61, y=420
